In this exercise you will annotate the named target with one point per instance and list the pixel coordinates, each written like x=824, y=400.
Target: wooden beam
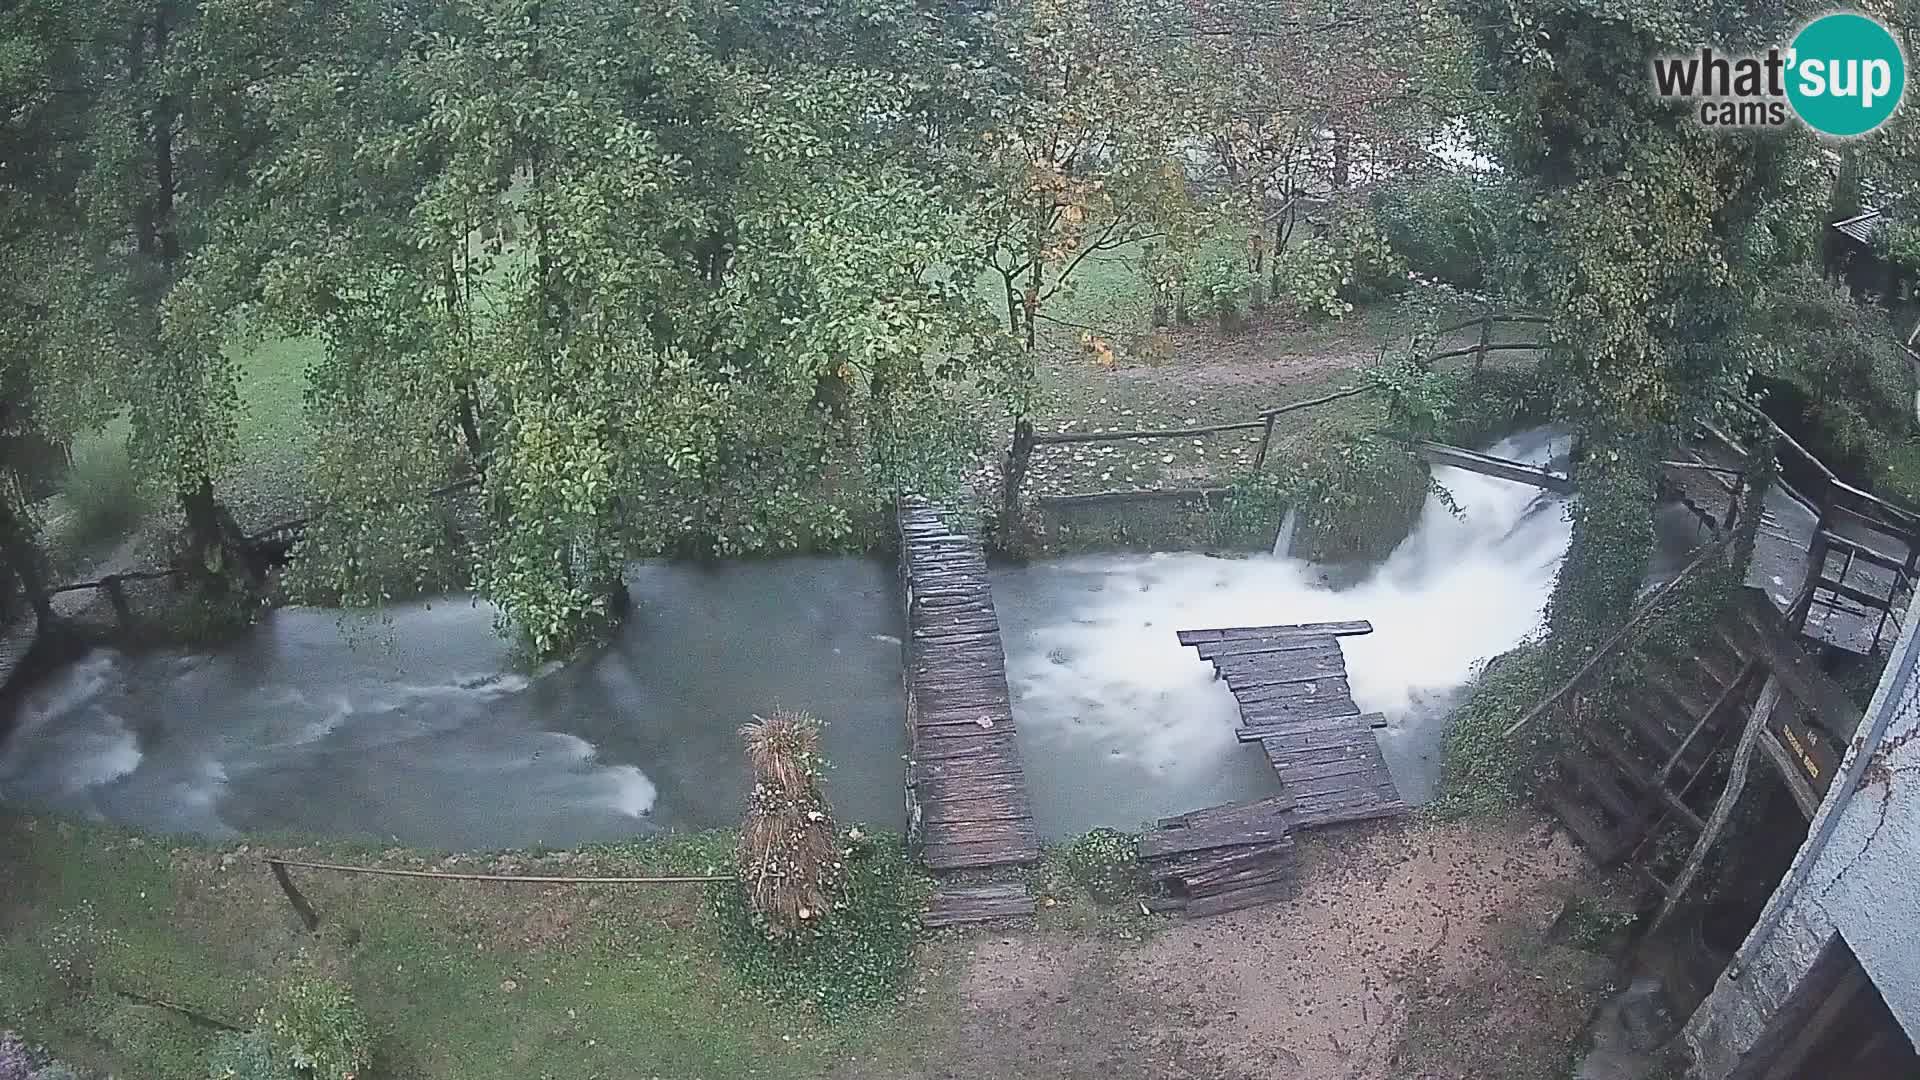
x=1729, y=795
x=1059, y=438
x=1237, y=633
x=1804, y=796
x=1500, y=468
x=1094, y=497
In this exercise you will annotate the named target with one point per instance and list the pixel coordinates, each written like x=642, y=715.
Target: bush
x=15, y=1063
x=853, y=960
x=1351, y=264
x=314, y=1025
x=247, y=1056
x=1106, y=863
x=101, y=492
x=1448, y=226
x=1357, y=499
x=1841, y=358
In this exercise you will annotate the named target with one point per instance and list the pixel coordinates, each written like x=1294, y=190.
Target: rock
x=508, y=986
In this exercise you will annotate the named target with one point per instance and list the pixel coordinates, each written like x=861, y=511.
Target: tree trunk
x=23, y=557
x=1014, y=478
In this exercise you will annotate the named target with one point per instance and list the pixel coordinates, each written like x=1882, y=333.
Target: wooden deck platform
x=1291, y=683
x=1779, y=567
x=967, y=805
x=1223, y=858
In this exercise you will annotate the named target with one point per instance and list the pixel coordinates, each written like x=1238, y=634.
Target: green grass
x=268, y=477
x=100, y=499
x=462, y=981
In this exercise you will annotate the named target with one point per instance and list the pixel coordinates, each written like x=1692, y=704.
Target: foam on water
x=1121, y=724
x=415, y=726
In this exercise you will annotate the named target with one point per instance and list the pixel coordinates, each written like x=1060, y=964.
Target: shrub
x=1353, y=263
x=789, y=858
x=314, y=1025
x=839, y=965
x=247, y=1056
x=1447, y=226
x=1222, y=284
x=102, y=494
x=15, y=1062
x=1357, y=498
x=1106, y=863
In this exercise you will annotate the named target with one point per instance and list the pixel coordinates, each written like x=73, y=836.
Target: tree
x=1649, y=242
x=607, y=255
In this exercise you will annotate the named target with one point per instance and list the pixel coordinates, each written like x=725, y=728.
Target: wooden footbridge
x=967, y=808
x=1295, y=701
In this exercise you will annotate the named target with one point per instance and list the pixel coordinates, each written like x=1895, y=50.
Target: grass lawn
x=267, y=481
x=464, y=981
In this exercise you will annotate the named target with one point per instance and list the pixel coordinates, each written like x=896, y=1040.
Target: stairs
x=1619, y=778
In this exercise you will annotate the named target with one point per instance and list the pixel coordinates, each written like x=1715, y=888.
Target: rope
x=438, y=875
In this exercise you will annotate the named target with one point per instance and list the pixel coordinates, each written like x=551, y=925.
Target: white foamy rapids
x=632, y=793
x=1106, y=672
x=94, y=758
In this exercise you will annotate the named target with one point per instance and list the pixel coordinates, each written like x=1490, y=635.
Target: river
x=418, y=727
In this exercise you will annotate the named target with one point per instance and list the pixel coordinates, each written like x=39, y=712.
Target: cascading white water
x=1120, y=724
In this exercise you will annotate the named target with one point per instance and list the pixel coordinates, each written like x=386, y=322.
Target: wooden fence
x=1025, y=441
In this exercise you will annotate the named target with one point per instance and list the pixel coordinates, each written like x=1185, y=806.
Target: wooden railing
x=1836, y=503
x=1024, y=444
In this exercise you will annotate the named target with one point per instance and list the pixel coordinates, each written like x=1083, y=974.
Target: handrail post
x=1266, y=440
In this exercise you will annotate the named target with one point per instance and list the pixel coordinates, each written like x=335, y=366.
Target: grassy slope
x=465, y=981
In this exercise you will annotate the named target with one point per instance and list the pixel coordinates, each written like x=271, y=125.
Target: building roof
x=1865, y=229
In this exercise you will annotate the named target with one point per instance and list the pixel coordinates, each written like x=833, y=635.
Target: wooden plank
x=1276, y=675
x=1330, y=716
x=927, y=772
x=1266, y=806
x=1334, y=629
x=1330, y=689
x=1800, y=676
x=1582, y=823
x=1318, y=644
x=969, y=856
x=956, y=905
x=1599, y=782
x=998, y=748
x=1240, y=899
x=1500, y=468
x=1174, y=841
x=1005, y=783
x=998, y=831
x=1205, y=864
x=999, y=806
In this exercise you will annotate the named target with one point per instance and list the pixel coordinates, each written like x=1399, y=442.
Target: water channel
x=418, y=727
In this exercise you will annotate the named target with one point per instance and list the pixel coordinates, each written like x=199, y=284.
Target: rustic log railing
x=282, y=534
x=1025, y=440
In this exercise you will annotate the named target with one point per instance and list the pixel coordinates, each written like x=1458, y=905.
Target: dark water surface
x=418, y=727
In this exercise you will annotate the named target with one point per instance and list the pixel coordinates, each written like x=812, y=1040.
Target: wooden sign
x=1809, y=750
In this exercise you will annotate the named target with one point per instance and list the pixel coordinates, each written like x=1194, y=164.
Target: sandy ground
x=1404, y=945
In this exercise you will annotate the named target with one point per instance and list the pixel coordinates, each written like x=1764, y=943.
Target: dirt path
x=1405, y=945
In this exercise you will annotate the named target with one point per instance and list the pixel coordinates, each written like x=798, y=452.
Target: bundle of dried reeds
x=789, y=856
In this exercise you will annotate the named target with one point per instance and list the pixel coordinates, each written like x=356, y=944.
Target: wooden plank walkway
x=967, y=804
x=1223, y=858
x=1295, y=701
